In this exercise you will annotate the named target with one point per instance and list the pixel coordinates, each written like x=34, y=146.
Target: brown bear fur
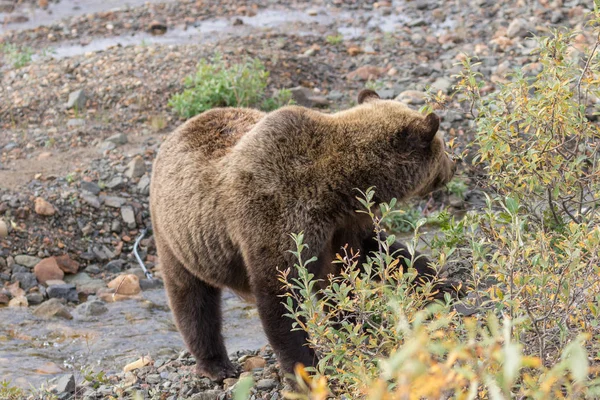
x=230, y=185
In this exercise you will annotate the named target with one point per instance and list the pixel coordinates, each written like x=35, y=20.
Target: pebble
x=442, y=85
x=413, y=97
x=114, y=201
x=3, y=229
x=127, y=284
x=90, y=199
x=253, y=363
x=52, y=308
x=48, y=269
x=35, y=298
x=19, y=301
x=26, y=280
x=115, y=183
x=91, y=308
x=207, y=395
x=119, y=138
x=136, y=168
x=27, y=261
x=42, y=207
x=143, y=185
x=517, y=28
x=266, y=384
x=366, y=72
x=65, y=384
x=63, y=291
x=67, y=264
x=76, y=100
x=90, y=187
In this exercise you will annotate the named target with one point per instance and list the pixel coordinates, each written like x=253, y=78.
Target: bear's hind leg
x=196, y=306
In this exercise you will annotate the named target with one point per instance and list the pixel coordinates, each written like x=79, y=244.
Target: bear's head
x=411, y=154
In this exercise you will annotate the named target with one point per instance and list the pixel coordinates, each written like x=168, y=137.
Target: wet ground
x=33, y=349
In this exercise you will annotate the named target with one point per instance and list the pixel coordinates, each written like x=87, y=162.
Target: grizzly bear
x=231, y=184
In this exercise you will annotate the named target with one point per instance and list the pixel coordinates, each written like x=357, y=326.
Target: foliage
x=533, y=252
x=404, y=219
x=457, y=187
x=334, y=39
x=9, y=392
x=16, y=56
x=215, y=84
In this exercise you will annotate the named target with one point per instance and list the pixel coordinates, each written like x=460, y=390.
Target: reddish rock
x=47, y=270
x=68, y=265
x=254, y=362
x=128, y=284
x=366, y=72
x=42, y=207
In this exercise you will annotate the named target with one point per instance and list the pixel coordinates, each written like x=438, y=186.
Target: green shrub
x=16, y=56
x=215, y=84
x=533, y=254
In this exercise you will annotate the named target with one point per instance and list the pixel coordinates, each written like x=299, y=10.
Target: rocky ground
x=79, y=129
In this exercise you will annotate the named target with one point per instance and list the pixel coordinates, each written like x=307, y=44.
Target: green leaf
x=242, y=388
x=577, y=362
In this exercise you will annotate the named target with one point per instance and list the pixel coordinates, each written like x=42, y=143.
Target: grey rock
x=146, y=284
x=114, y=266
x=153, y=379
x=75, y=122
x=27, y=261
x=411, y=97
x=114, y=201
x=119, y=138
x=207, y=395
x=7, y=6
x=65, y=384
x=557, y=16
x=136, y=168
x=386, y=93
x=107, y=146
x=115, y=226
x=91, y=308
x=76, y=100
x=102, y=252
x=335, y=95
x=143, y=185
x=266, y=384
x=16, y=268
x=517, y=28
x=90, y=187
x=26, y=280
x=90, y=199
x=35, y=298
x=115, y=183
x=305, y=97
x=65, y=291
x=422, y=70
x=442, y=84
x=128, y=216
x=93, y=269
x=52, y=308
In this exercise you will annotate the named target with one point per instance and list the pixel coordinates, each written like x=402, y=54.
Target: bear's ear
x=366, y=95
x=430, y=126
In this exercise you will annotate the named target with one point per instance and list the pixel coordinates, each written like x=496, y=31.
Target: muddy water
x=33, y=350
x=274, y=19
x=63, y=9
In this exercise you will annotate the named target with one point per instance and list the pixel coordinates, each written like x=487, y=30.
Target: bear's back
x=211, y=134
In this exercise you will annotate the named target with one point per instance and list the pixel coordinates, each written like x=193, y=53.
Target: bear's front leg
x=291, y=347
